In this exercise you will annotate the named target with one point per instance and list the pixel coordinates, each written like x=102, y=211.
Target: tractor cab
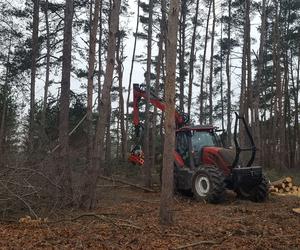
x=192, y=140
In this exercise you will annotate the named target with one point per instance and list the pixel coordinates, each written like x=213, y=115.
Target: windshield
x=204, y=138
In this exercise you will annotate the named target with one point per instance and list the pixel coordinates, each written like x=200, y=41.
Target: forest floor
x=127, y=218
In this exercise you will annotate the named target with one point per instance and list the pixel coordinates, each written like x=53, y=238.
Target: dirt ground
x=127, y=218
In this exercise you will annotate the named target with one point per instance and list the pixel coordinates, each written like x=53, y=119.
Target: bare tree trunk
x=132, y=63
x=34, y=55
x=296, y=124
x=192, y=58
x=64, y=170
x=147, y=166
x=43, y=118
x=258, y=85
x=4, y=106
x=107, y=167
x=278, y=92
x=212, y=64
x=182, y=37
x=166, y=203
x=120, y=60
x=100, y=55
x=203, y=65
x=156, y=87
x=243, y=95
x=228, y=76
x=98, y=150
x=221, y=78
x=249, y=68
x=90, y=83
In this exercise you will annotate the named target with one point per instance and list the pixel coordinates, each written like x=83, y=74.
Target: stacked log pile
x=284, y=186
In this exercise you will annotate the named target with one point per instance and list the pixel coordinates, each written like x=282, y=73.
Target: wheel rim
x=202, y=185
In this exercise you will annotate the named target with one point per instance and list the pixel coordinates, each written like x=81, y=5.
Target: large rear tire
x=208, y=184
x=259, y=193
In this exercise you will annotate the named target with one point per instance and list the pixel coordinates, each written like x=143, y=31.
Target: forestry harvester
x=201, y=163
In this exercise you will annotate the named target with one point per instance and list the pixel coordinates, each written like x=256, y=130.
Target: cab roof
x=197, y=128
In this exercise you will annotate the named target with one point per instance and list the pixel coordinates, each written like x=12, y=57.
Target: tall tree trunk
x=132, y=64
x=98, y=149
x=296, y=124
x=258, y=85
x=147, y=166
x=100, y=55
x=90, y=83
x=120, y=60
x=90, y=89
x=4, y=106
x=243, y=95
x=46, y=87
x=64, y=171
x=182, y=37
x=248, y=60
x=228, y=76
x=192, y=58
x=212, y=64
x=201, y=117
x=166, y=202
x=221, y=77
x=278, y=91
x=34, y=55
x=107, y=167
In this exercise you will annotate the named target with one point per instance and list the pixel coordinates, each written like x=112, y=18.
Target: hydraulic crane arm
x=139, y=92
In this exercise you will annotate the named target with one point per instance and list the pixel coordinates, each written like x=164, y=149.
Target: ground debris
x=122, y=221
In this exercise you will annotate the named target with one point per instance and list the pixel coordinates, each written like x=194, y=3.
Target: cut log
x=286, y=189
x=288, y=179
x=273, y=189
x=280, y=190
x=295, y=188
x=281, y=181
x=289, y=184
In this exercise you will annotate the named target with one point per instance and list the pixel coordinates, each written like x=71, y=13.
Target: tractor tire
x=259, y=193
x=208, y=184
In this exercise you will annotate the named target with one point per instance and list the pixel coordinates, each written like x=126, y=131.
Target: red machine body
x=201, y=162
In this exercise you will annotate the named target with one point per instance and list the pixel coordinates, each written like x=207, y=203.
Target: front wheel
x=208, y=184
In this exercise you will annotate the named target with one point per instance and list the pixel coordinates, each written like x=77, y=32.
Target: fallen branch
x=197, y=244
x=103, y=217
x=113, y=186
x=99, y=216
x=130, y=225
x=128, y=183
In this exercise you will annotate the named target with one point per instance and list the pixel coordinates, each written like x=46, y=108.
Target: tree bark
x=4, y=106
x=90, y=83
x=120, y=60
x=34, y=55
x=228, y=76
x=100, y=55
x=258, y=85
x=192, y=58
x=212, y=64
x=64, y=171
x=98, y=149
x=166, y=203
x=182, y=37
x=203, y=66
x=147, y=165
x=46, y=87
x=132, y=64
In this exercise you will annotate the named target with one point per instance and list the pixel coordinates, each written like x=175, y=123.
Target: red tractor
x=202, y=164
